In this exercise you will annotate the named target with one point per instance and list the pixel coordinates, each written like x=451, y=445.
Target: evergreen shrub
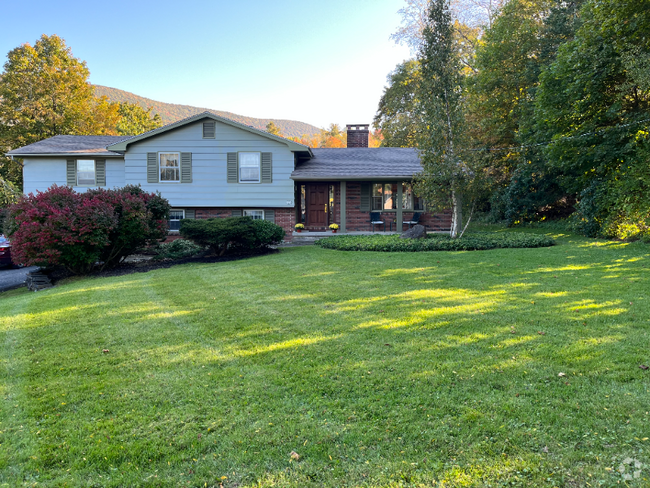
x=434, y=242
x=234, y=233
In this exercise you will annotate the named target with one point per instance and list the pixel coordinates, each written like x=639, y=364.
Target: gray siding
x=41, y=173
x=209, y=187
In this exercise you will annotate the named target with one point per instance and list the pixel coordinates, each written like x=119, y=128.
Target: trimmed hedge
x=238, y=233
x=478, y=241
x=177, y=249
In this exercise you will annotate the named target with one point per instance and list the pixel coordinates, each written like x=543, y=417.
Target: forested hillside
x=170, y=112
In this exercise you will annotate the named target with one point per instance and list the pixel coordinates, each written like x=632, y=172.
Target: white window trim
x=176, y=210
x=254, y=210
x=259, y=168
x=160, y=180
x=76, y=173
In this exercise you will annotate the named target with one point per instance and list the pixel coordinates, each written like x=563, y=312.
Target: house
x=210, y=166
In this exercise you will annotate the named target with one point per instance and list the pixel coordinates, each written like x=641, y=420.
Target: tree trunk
x=456, y=214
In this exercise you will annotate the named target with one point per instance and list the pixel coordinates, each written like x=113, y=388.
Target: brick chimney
x=358, y=135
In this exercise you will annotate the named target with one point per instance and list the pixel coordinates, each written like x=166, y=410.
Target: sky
x=316, y=62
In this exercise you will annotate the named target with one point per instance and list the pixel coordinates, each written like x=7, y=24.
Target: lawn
x=511, y=367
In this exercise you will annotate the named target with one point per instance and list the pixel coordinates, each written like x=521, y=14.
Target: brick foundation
x=284, y=217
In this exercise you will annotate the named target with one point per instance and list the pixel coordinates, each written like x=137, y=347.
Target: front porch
x=350, y=204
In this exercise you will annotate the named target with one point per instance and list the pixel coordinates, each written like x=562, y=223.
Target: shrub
x=434, y=242
x=178, y=249
x=241, y=233
x=60, y=227
x=141, y=219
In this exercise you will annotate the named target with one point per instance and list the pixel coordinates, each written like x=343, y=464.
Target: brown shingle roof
x=359, y=163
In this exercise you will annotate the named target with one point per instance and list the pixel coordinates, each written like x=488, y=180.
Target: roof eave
x=75, y=154
x=352, y=178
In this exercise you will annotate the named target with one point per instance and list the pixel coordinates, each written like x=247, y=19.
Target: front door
x=317, y=206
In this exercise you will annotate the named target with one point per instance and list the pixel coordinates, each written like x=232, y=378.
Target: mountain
x=171, y=112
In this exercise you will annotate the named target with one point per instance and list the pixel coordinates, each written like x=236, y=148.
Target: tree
x=593, y=102
x=398, y=115
x=476, y=14
x=45, y=92
x=135, y=120
x=448, y=173
x=271, y=128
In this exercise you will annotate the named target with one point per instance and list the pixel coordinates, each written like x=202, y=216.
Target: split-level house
x=210, y=166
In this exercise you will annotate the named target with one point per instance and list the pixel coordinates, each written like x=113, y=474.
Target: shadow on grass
x=489, y=371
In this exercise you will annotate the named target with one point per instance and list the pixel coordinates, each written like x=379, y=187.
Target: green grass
x=379, y=369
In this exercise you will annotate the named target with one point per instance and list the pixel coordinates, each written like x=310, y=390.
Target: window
x=409, y=200
x=170, y=166
x=249, y=167
x=175, y=217
x=254, y=214
x=384, y=197
x=85, y=172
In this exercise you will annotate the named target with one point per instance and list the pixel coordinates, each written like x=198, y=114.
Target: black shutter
x=232, y=169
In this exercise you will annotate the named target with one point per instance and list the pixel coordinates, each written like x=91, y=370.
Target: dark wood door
x=317, y=205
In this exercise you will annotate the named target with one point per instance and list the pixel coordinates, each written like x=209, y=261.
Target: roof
x=123, y=145
x=359, y=163
x=70, y=146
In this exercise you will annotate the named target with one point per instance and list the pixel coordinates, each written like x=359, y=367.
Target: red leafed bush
x=60, y=227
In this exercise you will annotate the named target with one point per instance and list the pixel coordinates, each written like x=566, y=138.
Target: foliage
x=271, y=128
x=299, y=226
x=334, y=226
x=398, y=115
x=239, y=233
x=45, y=92
x=60, y=227
x=177, y=249
x=449, y=171
x=435, y=242
x=135, y=120
x=141, y=219
x=221, y=370
x=171, y=112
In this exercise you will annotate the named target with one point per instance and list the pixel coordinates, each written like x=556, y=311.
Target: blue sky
x=317, y=62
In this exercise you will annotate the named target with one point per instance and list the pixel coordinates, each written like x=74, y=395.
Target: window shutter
x=267, y=167
x=365, y=197
x=153, y=172
x=237, y=213
x=233, y=170
x=190, y=213
x=100, y=172
x=269, y=215
x=71, y=172
x=208, y=130
x=186, y=167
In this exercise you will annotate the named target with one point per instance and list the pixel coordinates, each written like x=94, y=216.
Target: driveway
x=13, y=278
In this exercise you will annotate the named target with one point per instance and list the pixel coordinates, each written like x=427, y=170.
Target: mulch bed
x=59, y=274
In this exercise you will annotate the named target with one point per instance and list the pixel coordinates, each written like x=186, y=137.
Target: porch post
x=343, y=202
x=399, y=207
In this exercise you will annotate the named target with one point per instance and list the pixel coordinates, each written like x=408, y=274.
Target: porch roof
x=359, y=163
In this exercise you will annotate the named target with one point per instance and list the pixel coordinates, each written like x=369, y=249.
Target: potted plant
x=299, y=227
x=334, y=228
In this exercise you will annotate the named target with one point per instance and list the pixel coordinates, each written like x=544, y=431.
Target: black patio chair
x=414, y=221
x=375, y=219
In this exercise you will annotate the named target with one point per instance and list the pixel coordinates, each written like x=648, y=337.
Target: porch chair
x=375, y=219
x=415, y=220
